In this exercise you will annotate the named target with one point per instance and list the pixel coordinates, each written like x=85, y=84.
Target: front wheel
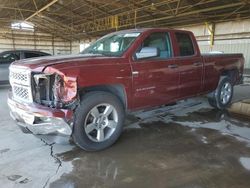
x=98, y=121
x=222, y=96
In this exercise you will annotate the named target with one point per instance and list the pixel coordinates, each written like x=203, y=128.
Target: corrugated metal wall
x=17, y=39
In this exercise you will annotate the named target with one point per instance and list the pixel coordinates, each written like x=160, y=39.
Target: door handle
x=197, y=64
x=135, y=73
x=173, y=66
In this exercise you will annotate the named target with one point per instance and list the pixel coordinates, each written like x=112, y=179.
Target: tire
x=222, y=96
x=98, y=121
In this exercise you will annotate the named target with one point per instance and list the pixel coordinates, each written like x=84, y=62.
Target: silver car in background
x=7, y=57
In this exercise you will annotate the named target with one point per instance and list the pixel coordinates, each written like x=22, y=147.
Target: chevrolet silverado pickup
x=86, y=96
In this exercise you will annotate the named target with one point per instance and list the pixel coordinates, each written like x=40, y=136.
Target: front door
x=155, y=80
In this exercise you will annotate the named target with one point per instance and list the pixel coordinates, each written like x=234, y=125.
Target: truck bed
x=222, y=55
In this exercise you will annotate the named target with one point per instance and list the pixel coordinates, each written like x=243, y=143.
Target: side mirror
x=147, y=52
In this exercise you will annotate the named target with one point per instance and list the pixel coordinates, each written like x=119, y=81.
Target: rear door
x=155, y=80
x=31, y=54
x=189, y=63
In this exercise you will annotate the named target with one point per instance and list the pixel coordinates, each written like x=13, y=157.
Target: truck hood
x=40, y=63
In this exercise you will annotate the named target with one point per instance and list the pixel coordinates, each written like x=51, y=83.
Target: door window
x=8, y=58
x=161, y=41
x=185, y=44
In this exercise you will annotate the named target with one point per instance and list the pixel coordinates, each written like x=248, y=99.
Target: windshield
x=112, y=45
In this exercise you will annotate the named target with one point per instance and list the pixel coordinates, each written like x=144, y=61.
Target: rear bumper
x=39, y=119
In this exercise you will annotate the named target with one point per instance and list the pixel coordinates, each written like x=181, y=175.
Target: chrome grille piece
x=21, y=83
x=19, y=77
x=21, y=93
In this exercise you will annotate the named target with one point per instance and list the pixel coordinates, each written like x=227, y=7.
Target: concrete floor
x=247, y=71
x=184, y=145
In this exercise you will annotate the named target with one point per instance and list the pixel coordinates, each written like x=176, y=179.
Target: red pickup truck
x=87, y=95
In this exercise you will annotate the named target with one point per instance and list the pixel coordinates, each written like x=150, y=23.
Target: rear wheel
x=98, y=121
x=222, y=96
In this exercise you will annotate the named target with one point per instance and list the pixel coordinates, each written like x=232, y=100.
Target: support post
x=70, y=46
x=135, y=18
x=34, y=39
x=13, y=40
x=53, y=46
x=211, y=29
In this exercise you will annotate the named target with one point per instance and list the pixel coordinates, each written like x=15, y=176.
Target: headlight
x=58, y=88
x=64, y=89
x=53, y=89
x=42, y=87
x=42, y=76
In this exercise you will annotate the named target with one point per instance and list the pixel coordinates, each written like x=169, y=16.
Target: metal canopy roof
x=79, y=19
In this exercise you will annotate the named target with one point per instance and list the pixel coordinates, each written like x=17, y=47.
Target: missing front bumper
x=36, y=122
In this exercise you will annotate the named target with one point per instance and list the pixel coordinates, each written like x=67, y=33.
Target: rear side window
x=31, y=54
x=185, y=44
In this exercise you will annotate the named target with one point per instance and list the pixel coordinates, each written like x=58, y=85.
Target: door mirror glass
x=147, y=52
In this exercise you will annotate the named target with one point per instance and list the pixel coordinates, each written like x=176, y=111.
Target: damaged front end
x=54, y=90
x=45, y=102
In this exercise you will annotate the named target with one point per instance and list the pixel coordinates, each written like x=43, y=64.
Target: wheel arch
x=233, y=74
x=116, y=89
